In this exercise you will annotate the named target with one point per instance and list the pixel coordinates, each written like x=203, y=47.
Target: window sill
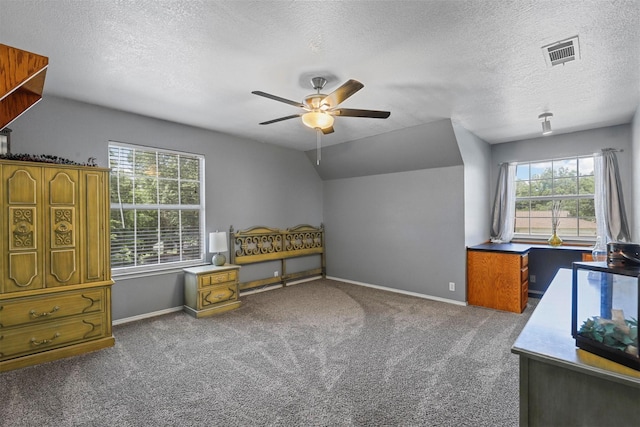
x=158, y=271
x=564, y=242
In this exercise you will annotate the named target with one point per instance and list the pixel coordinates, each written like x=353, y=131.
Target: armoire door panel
x=21, y=228
x=96, y=244
x=23, y=272
x=62, y=243
x=22, y=184
x=63, y=267
x=62, y=188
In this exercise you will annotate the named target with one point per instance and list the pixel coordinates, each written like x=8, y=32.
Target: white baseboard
x=399, y=291
x=278, y=286
x=146, y=315
x=174, y=309
x=309, y=279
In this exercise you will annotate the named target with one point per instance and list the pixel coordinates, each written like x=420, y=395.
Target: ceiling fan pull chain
x=318, y=155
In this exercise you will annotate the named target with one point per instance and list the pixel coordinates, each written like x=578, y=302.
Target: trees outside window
x=157, y=207
x=569, y=182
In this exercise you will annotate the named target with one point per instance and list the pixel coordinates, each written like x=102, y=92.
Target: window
x=157, y=208
x=570, y=184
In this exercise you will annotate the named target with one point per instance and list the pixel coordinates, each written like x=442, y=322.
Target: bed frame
x=262, y=244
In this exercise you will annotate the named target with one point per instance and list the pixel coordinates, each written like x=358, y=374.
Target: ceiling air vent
x=563, y=51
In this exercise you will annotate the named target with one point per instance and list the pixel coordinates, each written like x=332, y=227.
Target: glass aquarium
x=604, y=312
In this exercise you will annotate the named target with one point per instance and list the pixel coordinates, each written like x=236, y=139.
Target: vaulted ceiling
x=479, y=63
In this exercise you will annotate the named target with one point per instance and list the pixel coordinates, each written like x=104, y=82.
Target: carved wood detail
x=264, y=240
x=23, y=228
x=62, y=228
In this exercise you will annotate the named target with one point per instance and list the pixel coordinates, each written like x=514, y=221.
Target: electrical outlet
x=275, y=273
x=452, y=286
x=532, y=278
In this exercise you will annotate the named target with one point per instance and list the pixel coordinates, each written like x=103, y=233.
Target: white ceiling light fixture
x=317, y=119
x=546, y=123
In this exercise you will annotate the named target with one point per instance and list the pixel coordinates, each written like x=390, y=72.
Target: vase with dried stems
x=555, y=240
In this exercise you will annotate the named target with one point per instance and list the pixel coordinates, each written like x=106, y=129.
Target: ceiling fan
x=320, y=109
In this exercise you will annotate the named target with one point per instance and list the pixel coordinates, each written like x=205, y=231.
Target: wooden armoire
x=55, y=273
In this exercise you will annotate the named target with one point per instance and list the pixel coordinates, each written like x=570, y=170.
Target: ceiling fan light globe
x=317, y=120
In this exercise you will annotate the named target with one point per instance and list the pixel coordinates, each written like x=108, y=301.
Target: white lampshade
x=317, y=120
x=217, y=242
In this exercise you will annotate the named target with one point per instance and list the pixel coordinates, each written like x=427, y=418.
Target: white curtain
x=504, y=205
x=611, y=218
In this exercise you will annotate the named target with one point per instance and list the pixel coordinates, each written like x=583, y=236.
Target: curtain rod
x=617, y=150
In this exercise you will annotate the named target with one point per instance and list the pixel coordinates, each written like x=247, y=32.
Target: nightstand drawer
x=37, y=309
x=215, y=278
x=217, y=294
x=46, y=336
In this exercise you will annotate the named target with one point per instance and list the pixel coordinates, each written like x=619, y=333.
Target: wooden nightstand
x=210, y=290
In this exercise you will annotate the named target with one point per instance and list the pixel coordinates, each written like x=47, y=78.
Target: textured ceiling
x=478, y=62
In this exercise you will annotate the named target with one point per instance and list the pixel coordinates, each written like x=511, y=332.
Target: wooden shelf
x=22, y=76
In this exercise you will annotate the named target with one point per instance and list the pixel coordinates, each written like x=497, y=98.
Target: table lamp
x=217, y=244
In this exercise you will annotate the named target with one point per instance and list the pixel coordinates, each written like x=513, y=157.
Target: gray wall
x=476, y=155
x=635, y=165
x=432, y=145
x=247, y=183
x=400, y=230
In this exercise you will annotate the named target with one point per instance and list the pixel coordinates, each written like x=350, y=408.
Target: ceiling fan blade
x=293, y=116
x=350, y=112
x=342, y=93
x=277, y=98
x=327, y=130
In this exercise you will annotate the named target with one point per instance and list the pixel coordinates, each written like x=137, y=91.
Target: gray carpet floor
x=321, y=353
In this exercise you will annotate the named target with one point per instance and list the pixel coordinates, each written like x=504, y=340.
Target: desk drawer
x=524, y=274
x=52, y=334
x=51, y=306
x=217, y=294
x=524, y=260
x=216, y=278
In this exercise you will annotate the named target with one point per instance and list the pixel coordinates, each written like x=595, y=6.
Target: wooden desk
x=503, y=275
x=563, y=385
x=498, y=279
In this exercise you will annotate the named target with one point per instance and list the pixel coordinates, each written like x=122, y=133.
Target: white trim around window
x=157, y=214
